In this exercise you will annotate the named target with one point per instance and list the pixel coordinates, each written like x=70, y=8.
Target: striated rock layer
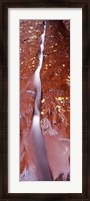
x=30, y=32
x=55, y=103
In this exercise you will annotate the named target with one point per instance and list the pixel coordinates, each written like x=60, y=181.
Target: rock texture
x=30, y=32
x=55, y=102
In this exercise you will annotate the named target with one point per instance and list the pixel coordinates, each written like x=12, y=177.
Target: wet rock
x=58, y=152
x=55, y=110
x=55, y=101
x=46, y=125
x=30, y=32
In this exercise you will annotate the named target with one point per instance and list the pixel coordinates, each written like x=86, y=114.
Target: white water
x=38, y=140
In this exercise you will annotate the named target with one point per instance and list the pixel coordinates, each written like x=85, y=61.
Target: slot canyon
x=44, y=100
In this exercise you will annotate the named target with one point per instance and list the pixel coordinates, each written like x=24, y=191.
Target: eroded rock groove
x=38, y=140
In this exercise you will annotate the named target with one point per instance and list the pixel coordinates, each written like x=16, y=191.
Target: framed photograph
x=44, y=105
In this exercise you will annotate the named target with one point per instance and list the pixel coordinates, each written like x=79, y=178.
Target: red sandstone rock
x=30, y=32
x=55, y=103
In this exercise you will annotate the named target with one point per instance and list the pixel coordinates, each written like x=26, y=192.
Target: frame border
x=4, y=195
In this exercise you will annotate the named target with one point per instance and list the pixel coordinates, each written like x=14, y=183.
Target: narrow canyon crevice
x=38, y=141
x=44, y=117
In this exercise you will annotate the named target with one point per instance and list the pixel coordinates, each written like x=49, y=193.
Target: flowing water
x=38, y=140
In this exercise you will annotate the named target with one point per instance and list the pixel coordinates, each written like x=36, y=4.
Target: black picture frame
x=4, y=195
